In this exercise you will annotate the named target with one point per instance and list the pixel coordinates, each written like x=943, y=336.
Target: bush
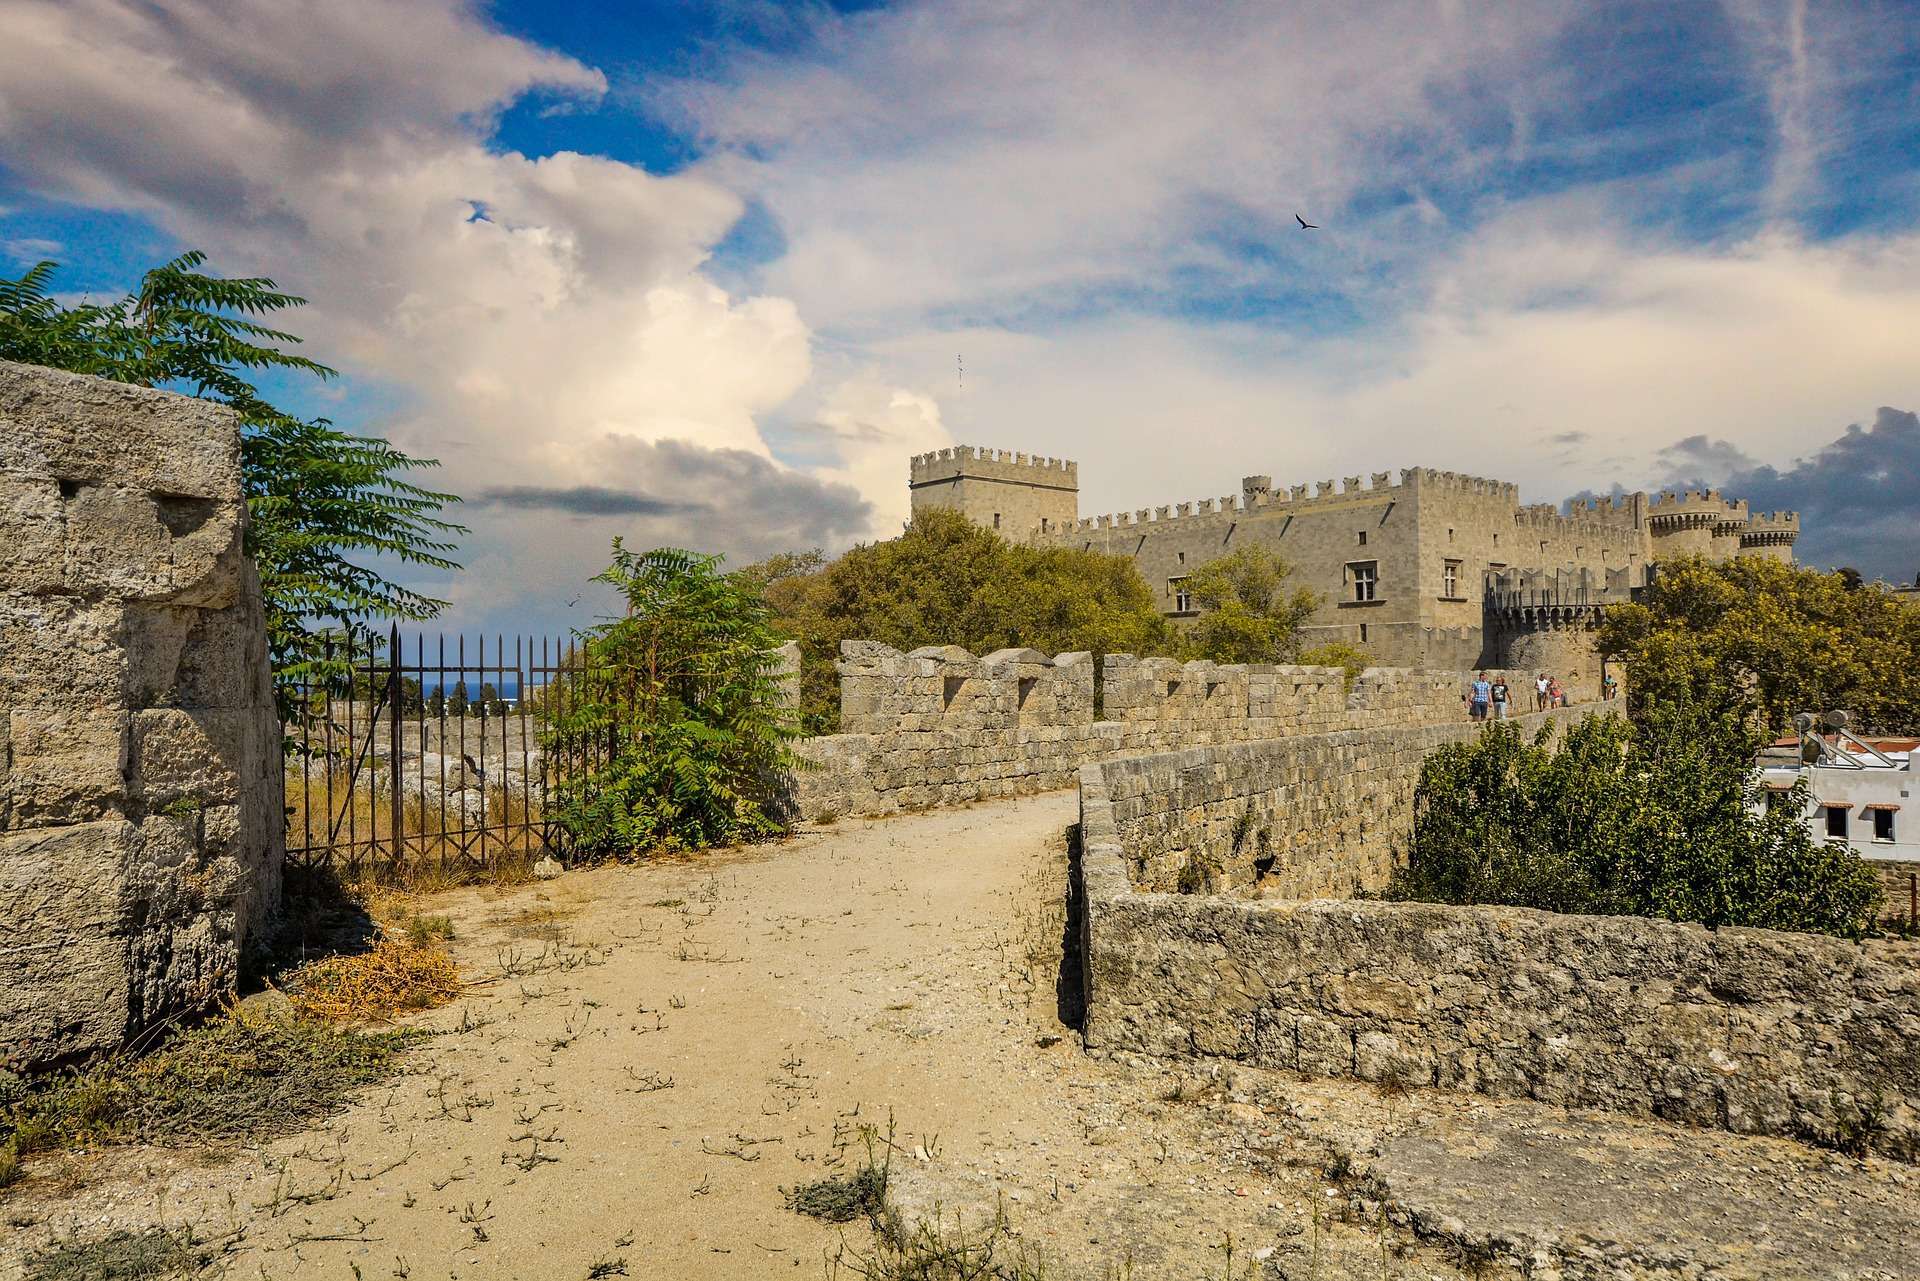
x=677, y=710
x=1663, y=817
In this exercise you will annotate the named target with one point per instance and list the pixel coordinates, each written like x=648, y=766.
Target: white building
x=1859, y=788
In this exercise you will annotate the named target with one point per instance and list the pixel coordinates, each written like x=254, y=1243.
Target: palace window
x=1449, y=535
x=1182, y=598
x=1043, y=524
x=1837, y=822
x=1883, y=823
x=1363, y=633
x=1363, y=538
x=1365, y=576
x=996, y=520
x=1450, y=580
x=1183, y=557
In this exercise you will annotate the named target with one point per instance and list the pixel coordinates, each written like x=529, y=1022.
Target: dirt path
x=651, y=1053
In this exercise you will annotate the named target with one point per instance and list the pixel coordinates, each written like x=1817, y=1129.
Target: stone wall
x=940, y=726
x=140, y=765
x=1753, y=1031
x=1315, y=816
x=1900, y=880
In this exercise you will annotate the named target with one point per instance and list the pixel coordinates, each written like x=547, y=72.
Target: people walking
x=1556, y=697
x=1482, y=692
x=1540, y=684
x=1501, y=696
x=1609, y=687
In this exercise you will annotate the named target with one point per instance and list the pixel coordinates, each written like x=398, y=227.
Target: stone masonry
x=140, y=764
x=1754, y=1031
x=939, y=726
x=1313, y=816
x=1407, y=567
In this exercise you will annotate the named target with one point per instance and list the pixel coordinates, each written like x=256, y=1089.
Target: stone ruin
x=140, y=764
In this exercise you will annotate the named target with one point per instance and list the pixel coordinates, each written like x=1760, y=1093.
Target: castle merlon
x=1258, y=494
x=994, y=464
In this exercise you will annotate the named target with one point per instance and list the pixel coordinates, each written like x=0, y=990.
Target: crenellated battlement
x=994, y=464
x=1695, y=508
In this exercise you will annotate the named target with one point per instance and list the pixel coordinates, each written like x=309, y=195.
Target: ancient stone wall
x=940, y=726
x=1316, y=816
x=140, y=763
x=1900, y=882
x=1753, y=1031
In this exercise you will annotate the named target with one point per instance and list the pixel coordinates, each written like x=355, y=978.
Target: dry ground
x=649, y=1054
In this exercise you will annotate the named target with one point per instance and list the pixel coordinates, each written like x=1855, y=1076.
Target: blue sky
x=700, y=274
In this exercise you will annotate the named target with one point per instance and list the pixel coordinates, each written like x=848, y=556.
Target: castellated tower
x=1020, y=496
x=1771, y=534
x=1696, y=523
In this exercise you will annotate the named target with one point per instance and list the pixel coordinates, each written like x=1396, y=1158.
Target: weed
x=614, y=1267
x=421, y=931
x=668, y=902
x=237, y=1076
x=827, y=818
x=394, y=977
x=841, y=1198
x=1858, y=1123
x=125, y=1255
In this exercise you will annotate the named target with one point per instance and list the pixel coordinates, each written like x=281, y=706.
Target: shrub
x=678, y=710
x=1662, y=817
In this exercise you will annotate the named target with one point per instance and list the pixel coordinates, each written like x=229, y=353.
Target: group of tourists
x=1493, y=699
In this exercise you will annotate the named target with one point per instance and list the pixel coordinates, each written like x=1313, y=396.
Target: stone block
x=69, y=765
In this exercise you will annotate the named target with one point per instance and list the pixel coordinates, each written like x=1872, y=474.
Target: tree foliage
x=1765, y=638
x=1248, y=613
x=677, y=710
x=325, y=508
x=948, y=581
x=1660, y=817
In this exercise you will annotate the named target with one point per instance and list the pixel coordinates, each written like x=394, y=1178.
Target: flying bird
x=1305, y=225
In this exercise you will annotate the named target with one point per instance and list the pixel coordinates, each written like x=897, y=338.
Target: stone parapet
x=1754, y=1031
x=940, y=726
x=140, y=764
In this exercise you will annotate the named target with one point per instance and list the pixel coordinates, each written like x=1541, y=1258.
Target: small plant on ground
x=841, y=1198
x=237, y=1076
x=126, y=1255
x=396, y=976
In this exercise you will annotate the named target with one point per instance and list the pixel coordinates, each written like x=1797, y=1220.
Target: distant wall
x=140, y=764
x=1754, y=1031
x=940, y=726
x=1314, y=816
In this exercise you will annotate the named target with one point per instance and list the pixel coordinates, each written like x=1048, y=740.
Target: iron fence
x=422, y=754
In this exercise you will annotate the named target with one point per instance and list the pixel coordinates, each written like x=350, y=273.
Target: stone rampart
x=1314, y=816
x=939, y=726
x=140, y=764
x=1754, y=1031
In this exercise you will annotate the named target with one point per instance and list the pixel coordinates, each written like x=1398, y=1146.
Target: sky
x=706, y=275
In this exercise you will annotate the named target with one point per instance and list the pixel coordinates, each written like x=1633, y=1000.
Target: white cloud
x=1037, y=187
x=546, y=321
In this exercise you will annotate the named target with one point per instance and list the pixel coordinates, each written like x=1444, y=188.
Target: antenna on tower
x=959, y=370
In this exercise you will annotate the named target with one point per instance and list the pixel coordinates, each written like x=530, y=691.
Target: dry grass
x=398, y=975
x=237, y=1076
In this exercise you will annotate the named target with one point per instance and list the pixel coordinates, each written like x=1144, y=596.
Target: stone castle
x=1440, y=570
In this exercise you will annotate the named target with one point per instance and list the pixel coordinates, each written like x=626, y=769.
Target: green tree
x=1660, y=817
x=679, y=705
x=1248, y=613
x=325, y=507
x=1766, y=639
x=457, y=701
x=488, y=700
x=437, y=705
x=948, y=581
